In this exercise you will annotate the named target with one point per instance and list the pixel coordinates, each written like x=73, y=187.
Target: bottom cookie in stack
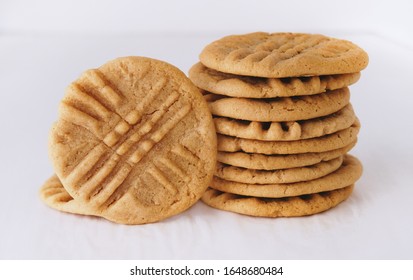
x=286, y=199
x=295, y=206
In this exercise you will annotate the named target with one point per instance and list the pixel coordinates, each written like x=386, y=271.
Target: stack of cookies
x=282, y=111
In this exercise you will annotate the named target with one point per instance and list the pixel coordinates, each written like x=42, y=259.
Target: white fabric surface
x=374, y=223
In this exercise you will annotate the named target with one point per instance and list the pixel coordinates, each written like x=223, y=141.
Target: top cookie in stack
x=281, y=107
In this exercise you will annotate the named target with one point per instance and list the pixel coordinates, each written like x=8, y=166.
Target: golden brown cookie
x=134, y=142
x=295, y=206
x=348, y=173
x=278, y=176
x=328, y=142
x=286, y=131
x=279, y=55
x=257, y=87
x=279, y=109
x=271, y=162
x=54, y=195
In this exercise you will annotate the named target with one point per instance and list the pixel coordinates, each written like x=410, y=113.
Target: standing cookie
x=134, y=142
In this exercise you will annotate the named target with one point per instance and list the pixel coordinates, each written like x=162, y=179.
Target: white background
x=44, y=45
